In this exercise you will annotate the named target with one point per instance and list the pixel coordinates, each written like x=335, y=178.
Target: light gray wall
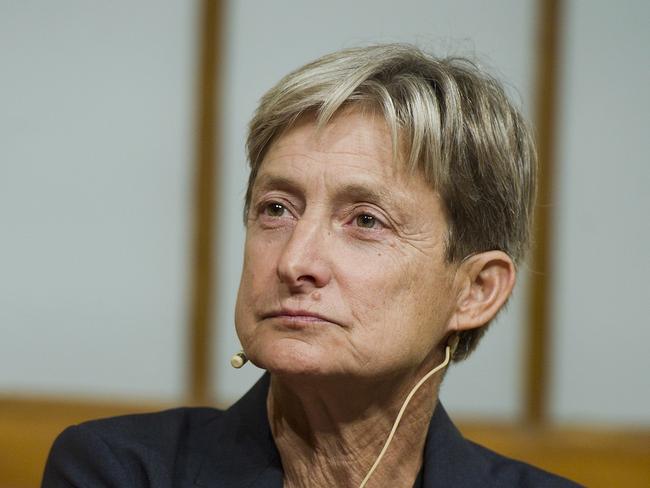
x=264, y=41
x=602, y=337
x=96, y=113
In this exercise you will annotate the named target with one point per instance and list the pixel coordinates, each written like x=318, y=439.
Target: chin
x=290, y=357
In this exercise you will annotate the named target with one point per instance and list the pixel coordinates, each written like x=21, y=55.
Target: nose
x=304, y=262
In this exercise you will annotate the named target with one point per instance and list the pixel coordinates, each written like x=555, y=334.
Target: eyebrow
x=356, y=191
x=276, y=182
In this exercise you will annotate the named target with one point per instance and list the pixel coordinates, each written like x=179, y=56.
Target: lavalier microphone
x=238, y=360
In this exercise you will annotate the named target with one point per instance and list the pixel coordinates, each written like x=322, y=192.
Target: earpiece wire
x=401, y=413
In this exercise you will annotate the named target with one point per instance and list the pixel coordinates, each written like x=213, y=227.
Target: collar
x=239, y=448
x=240, y=451
x=448, y=458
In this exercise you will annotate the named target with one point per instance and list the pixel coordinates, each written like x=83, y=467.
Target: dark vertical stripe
x=202, y=285
x=539, y=318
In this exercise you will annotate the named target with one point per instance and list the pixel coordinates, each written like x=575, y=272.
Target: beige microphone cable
x=449, y=350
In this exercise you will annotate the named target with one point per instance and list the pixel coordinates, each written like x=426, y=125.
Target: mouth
x=298, y=319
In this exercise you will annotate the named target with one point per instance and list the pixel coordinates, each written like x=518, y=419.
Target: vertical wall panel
x=264, y=41
x=601, y=372
x=96, y=120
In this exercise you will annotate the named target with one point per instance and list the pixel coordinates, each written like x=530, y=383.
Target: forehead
x=350, y=159
x=355, y=143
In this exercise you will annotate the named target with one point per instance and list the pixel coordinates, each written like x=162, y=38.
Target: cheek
x=378, y=287
x=399, y=300
x=260, y=258
x=243, y=317
x=256, y=277
x=382, y=277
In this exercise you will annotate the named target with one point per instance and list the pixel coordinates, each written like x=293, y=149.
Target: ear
x=487, y=280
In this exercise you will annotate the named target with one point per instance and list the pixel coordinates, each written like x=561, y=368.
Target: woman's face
x=344, y=270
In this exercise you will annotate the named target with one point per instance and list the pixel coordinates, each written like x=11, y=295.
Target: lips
x=296, y=316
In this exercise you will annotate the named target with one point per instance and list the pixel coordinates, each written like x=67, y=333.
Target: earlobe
x=489, y=280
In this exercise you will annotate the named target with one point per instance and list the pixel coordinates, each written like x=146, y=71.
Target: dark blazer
x=190, y=447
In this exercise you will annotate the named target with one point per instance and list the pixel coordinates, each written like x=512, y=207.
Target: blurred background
x=122, y=177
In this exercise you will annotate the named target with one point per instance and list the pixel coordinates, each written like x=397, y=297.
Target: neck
x=329, y=433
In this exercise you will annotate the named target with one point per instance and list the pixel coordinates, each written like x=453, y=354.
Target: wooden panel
x=28, y=426
x=204, y=223
x=594, y=457
x=539, y=320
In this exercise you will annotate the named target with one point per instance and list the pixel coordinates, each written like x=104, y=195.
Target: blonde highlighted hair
x=449, y=120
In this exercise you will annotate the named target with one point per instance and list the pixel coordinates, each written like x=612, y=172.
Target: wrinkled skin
x=337, y=229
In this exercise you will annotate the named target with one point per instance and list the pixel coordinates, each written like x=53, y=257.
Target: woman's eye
x=274, y=209
x=366, y=221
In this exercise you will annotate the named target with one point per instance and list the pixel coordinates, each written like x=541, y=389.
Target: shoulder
x=456, y=461
x=132, y=450
x=503, y=471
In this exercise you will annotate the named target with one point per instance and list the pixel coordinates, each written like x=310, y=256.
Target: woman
x=390, y=197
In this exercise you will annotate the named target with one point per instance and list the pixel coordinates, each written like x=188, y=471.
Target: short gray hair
x=449, y=120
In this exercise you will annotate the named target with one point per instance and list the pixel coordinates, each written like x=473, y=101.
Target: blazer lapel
x=240, y=451
x=448, y=460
